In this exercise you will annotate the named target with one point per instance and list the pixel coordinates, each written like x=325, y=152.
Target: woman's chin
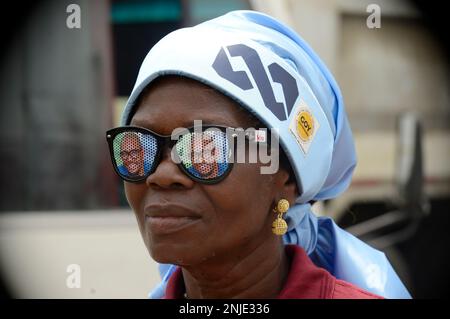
x=176, y=254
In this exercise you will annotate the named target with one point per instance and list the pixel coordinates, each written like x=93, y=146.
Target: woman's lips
x=169, y=224
x=169, y=218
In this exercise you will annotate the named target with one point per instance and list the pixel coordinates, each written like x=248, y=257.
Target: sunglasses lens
x=204, y=155
x=134, y=154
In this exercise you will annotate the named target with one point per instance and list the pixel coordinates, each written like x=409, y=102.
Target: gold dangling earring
x=279, y=226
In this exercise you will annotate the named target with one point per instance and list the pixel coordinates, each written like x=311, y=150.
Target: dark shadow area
x=424, y=258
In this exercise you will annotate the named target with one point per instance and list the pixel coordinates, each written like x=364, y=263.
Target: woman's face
x=184, y=222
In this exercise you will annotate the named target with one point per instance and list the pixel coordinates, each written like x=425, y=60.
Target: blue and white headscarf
x=273, y=73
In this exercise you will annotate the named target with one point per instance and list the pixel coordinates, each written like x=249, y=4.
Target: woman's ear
x=287, y=186
x=290, y=191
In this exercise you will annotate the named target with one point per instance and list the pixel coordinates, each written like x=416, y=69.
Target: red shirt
x=305, y=281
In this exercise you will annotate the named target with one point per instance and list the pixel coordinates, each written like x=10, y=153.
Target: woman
x=246, y=231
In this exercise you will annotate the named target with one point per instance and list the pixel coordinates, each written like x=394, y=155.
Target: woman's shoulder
x=345, y=290
x=306, y=280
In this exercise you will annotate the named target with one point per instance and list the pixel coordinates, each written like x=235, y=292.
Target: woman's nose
x=167, y=175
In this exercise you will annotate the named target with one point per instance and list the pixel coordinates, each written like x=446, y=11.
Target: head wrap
x=273, y=73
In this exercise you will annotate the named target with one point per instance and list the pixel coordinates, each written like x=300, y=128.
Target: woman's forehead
x=172, y=102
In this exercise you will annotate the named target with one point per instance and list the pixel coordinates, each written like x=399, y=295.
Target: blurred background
x=61, y=88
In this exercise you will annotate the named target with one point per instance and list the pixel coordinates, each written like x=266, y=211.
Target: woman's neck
x=255, y=272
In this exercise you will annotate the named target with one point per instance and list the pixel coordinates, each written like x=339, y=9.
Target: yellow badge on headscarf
x=303, y=126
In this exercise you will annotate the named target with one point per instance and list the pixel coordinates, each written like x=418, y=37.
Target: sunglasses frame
x=163, y=141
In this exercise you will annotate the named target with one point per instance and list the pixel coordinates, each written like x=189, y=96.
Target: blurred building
x=56, y=88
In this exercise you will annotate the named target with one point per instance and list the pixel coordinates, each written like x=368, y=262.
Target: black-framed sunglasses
x=204, y=153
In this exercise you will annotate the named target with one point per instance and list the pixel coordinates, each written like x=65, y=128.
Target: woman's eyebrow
x=142, y=123
x=185, y=123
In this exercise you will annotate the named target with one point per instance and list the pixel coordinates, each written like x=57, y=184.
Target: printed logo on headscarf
x=303, y=126
x=223, y=67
